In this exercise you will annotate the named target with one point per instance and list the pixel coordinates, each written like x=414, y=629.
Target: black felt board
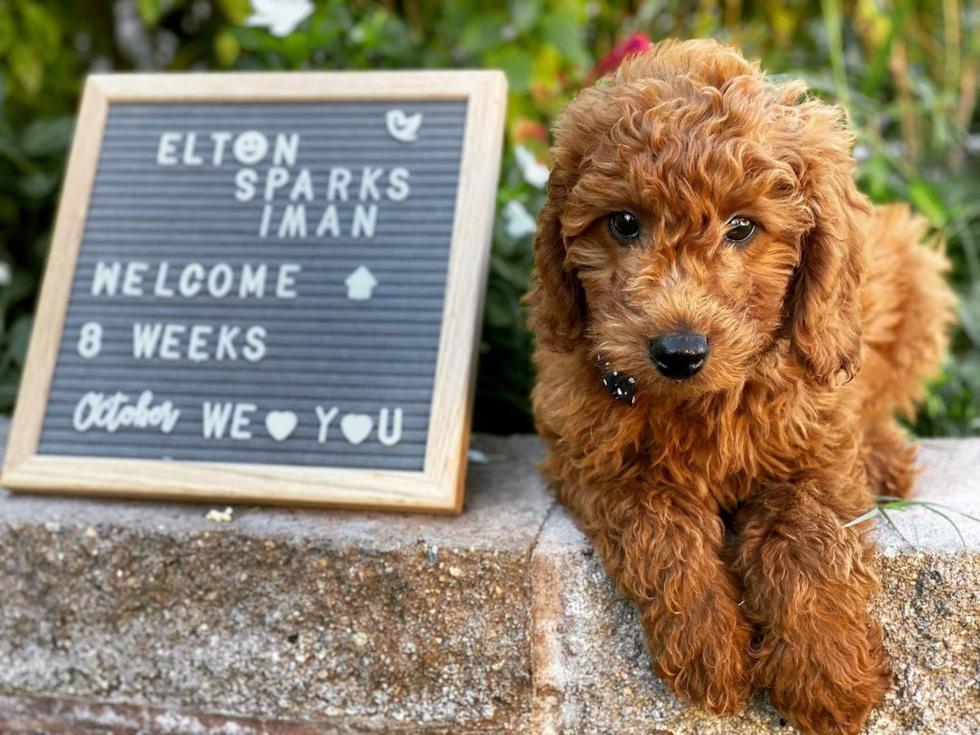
x=161, y=200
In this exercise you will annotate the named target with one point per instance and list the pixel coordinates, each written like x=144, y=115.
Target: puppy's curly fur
x=718, y=502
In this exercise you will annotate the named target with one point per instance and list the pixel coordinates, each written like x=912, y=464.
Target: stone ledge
x=144, y=616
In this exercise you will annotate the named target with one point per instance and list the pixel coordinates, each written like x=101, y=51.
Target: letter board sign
x=265, y=288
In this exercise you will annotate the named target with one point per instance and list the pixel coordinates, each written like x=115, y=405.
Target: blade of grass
x=952, y=38
x=896, y=529
x=833, y=21
x=949, y=521
x=899, y=504
x=892, y=501
x=951, y=509
x=862, y=518
x=877, y=74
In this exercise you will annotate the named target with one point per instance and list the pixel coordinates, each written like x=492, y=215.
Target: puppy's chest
x=728, y=462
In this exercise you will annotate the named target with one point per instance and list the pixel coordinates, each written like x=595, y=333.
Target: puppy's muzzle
x=679, y=356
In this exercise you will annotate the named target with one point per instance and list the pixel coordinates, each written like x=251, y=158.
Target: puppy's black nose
x=679, y=356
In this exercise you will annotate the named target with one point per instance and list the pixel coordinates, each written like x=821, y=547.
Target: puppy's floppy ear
x=556, y=299
x=824, y=303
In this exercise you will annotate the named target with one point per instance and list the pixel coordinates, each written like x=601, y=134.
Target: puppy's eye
x=740, y=230
x=624, y=226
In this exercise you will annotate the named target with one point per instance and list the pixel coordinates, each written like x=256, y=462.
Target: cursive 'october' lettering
x=112, y=412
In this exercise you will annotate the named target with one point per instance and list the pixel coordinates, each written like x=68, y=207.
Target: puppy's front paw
x=703, y=655
x=826, y=685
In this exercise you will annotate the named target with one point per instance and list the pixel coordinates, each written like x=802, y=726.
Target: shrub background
x=907, y=71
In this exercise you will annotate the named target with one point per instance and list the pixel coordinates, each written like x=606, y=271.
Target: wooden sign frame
x=439, y=487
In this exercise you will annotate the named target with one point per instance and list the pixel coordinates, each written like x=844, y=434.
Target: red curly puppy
x=709, y=282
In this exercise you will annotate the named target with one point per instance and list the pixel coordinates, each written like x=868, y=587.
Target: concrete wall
x=147, y=617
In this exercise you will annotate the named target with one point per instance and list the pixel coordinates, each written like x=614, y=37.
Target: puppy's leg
x=807, y=584
x=889, y=460
x=662, y=550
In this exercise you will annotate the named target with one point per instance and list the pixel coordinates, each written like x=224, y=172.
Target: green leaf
x=877, y=174
x=9, y=381
x=22, y=285
x=509, y=273
x=927, y=201
x=150, y=11
x=47, y=137
x=8, y=33
x=565, y=36
x=235, y=11
x=256, y=39
x=524, y=14
x=226, y=48
x=39, y=184
x=500, y=310
x=18, y=339
x=481, y=33
x=516, y=64
x=40, y=29
x=11, y=150
x=27, y=68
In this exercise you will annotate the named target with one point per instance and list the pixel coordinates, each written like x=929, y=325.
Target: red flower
x=525, y=130
x=635, y=44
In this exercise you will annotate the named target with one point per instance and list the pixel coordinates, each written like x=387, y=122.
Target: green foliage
x=907, y=70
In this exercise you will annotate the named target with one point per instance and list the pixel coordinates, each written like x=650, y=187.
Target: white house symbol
x=360, y=284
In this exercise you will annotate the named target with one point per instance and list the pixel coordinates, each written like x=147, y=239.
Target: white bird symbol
x=402, y=127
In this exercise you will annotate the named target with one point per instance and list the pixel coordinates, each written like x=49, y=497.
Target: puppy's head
x=698, y=213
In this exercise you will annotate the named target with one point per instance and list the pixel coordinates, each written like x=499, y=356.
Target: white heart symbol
x=280, y=424
x=402, y=127
x=356, y=427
